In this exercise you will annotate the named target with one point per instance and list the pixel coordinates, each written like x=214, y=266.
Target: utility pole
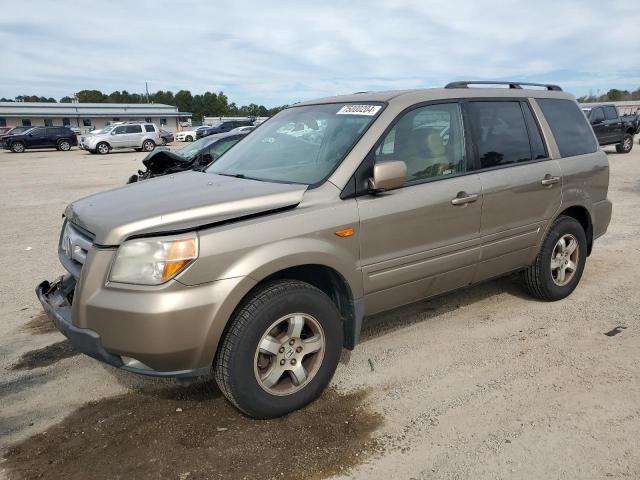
x=146, y=86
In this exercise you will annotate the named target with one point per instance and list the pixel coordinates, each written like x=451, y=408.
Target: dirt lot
x=485, y=383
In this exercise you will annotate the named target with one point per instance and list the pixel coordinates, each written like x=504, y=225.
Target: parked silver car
x=139, y=136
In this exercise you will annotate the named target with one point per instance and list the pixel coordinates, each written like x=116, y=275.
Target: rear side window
x=134, y=129
x=610, y=112
x=569, y=126
x=538, y=150
x=499, y=133
x=149, y=128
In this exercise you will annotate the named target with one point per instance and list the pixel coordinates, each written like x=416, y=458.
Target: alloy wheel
x=289, y=354
x=564, y=260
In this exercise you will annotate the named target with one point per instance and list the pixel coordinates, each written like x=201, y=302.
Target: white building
x=88, y=116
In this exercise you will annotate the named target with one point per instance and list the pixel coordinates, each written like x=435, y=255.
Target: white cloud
x=281, y=52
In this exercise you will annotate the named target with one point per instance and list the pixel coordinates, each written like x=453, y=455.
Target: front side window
x=300, y=144
x=37, y=132
x=499, y=133
x=119, y=130
x=610, y=112
x=597, y=116
x=570, y=129
x=429, y=140
x=134, y=128
x=26, y=122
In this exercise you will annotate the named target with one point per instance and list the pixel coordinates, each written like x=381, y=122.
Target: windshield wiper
x=235, y=175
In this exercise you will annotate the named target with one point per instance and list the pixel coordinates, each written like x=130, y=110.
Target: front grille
x=73, y=248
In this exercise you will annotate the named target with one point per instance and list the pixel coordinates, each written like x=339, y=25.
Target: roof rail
x=466, y=83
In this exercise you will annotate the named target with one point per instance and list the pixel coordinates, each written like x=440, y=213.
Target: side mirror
x=113, y=132
x=388, y=176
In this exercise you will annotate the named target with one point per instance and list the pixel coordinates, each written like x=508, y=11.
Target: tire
x=17, y=147
x=148, y=145
x=102, y=148
x=544, y=280
x=245, y=373
x=189, y=138
x=64, y=145
x=164, y=142
x=626, y=145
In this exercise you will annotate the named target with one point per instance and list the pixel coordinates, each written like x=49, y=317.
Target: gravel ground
x=484, y=383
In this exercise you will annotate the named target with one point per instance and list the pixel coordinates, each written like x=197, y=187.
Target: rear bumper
x=601, y=217
x=56, y=302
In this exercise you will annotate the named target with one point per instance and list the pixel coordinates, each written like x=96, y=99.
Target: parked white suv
x=139, y=136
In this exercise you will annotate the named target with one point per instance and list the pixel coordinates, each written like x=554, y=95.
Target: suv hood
x=177, y=202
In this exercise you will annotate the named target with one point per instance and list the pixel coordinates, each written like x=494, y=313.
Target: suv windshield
x=298, y=145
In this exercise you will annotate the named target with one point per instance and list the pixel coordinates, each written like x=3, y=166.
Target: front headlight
x=152, y=261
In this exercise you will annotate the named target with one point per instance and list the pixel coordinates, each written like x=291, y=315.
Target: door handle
x=463, y=198
x=548, y=180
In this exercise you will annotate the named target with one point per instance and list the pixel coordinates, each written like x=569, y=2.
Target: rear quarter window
x=569, y=126
x=149, y=128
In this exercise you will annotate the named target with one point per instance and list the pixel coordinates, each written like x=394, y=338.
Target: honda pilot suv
x=60, y=138
x=263, y=267
x=139, y=136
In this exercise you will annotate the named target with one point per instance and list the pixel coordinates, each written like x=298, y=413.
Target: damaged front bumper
x=56, y=300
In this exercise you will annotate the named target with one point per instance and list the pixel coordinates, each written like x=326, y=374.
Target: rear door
x=133, y=137
x=521, y=185
x=424, y=238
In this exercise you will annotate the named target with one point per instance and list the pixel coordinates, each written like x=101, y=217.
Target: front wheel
x=626, y=145
x=280, y=350
x=17, y=147
x=558, y=267
x=102, y=148
x=189, y=138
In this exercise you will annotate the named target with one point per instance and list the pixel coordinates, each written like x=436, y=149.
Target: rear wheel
x=64, y=145
x=148, y=145
x=558, y=267
x=280, y=350
x=626, y=145
x=17, y=147
x=102, y=148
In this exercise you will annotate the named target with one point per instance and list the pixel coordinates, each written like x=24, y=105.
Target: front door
x=36, y=138
x=424, y=238
x=118, y=137
x=598, y=124
x=521, y=185
x=613, y=124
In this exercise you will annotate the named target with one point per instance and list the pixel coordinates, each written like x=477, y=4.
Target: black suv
x=223, y=127
x=609, y=127
x=61, y=138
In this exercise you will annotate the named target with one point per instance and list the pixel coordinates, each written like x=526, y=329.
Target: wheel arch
x=582, y=215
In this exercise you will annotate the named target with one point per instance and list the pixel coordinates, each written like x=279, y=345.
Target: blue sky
x=276, y=52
